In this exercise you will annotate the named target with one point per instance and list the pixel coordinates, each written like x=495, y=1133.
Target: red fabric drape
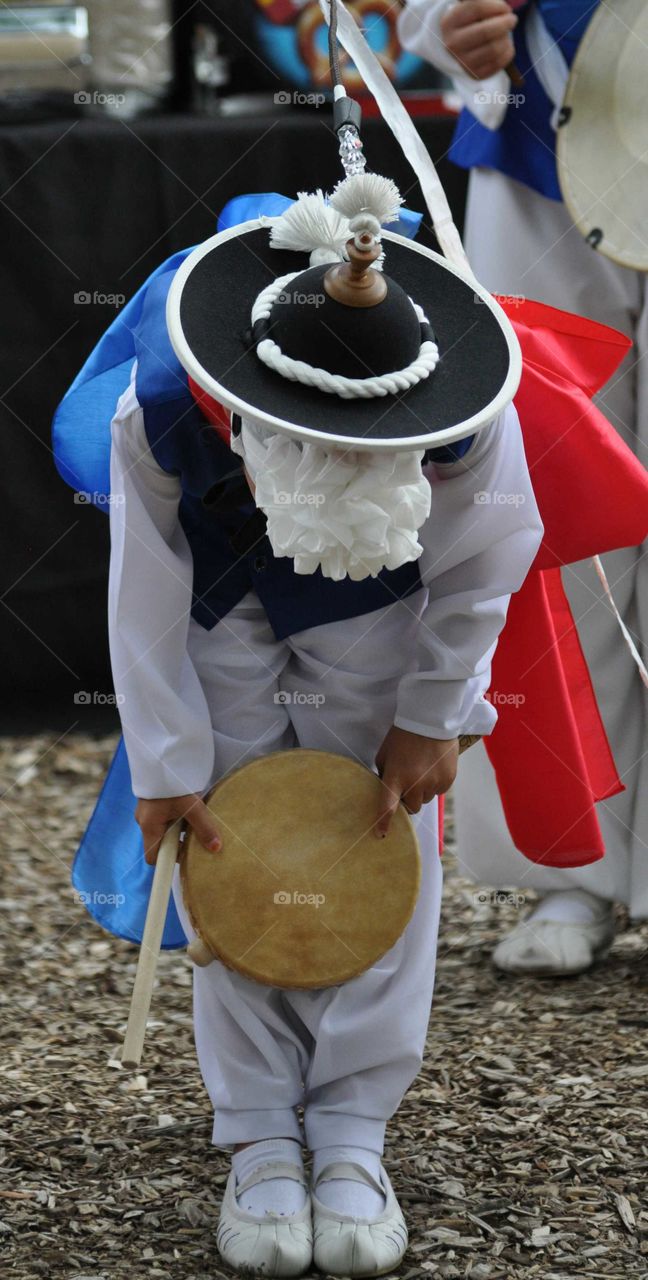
x=215, y=413
x=549, y=749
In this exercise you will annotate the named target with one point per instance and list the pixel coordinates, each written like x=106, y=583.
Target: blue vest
x=524, y=147
x=225, y=530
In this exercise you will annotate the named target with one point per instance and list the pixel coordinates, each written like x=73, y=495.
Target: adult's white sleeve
x=164, y=714
x=419, y=31
x=479, y=541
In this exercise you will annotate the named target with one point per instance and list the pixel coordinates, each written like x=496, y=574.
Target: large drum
x=601, y=141
x=302, y=893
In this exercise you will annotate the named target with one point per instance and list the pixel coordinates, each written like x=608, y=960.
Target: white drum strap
x=643, y=671
x=394, y=113
x=547, y=60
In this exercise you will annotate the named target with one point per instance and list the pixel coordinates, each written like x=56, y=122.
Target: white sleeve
x=419, y=31
x=479, y=541
x=164, y=713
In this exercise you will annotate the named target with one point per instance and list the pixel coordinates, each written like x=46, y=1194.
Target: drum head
x=302, y=894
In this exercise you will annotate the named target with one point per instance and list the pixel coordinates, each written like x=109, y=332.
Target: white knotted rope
x=383, y=384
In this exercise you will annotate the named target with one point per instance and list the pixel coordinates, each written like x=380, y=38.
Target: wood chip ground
x=520, y=1152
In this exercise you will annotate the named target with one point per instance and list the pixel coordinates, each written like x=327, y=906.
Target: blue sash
x=524, y=146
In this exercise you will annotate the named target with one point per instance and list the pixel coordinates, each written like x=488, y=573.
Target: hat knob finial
x=355, y=283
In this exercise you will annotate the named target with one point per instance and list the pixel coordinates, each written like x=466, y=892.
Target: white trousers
x=519, y=242
x=347, y=1053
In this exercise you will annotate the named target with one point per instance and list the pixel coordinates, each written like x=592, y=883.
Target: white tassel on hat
x=367, y=193
x=312, y=226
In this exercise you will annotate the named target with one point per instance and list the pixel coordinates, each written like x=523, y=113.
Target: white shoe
x=557, y=948
x=274, y=1244
x=347, y=1246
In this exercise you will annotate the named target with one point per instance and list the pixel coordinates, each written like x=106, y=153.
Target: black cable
x=345, y=110
x=334, y=62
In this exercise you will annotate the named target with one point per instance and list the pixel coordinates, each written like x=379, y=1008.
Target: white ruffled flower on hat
x=348, y=512
x=310, y=225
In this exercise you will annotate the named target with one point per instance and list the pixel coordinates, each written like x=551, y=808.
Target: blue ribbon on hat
x=270, y=204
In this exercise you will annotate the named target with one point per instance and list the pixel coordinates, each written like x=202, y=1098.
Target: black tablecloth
x=92, y=206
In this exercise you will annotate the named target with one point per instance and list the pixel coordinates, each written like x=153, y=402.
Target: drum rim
x=246, y=970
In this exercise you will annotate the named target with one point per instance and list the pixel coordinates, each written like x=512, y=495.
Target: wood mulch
x=520, y=1152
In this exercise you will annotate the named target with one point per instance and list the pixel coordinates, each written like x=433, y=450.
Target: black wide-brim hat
x=209, y=321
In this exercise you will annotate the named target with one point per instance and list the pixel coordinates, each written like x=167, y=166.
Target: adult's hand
x=478, y=34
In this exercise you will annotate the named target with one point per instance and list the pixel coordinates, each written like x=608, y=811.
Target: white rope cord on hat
x=383, y=384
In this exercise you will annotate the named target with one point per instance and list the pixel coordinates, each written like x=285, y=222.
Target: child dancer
x=385, y=597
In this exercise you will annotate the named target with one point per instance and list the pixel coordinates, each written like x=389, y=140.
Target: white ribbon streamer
x=395, y=115
x=548, y=61
x=643, y=671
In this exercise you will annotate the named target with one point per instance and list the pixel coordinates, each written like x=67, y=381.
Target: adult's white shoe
x=275, y=1244
x=557, y=947
x=348, y=1246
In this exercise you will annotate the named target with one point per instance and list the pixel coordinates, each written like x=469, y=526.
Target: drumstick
x=513, y=72
x=150, y=948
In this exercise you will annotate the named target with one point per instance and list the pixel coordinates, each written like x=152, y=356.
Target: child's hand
x=478, y=34
x=413, y=769
x=154, y=817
